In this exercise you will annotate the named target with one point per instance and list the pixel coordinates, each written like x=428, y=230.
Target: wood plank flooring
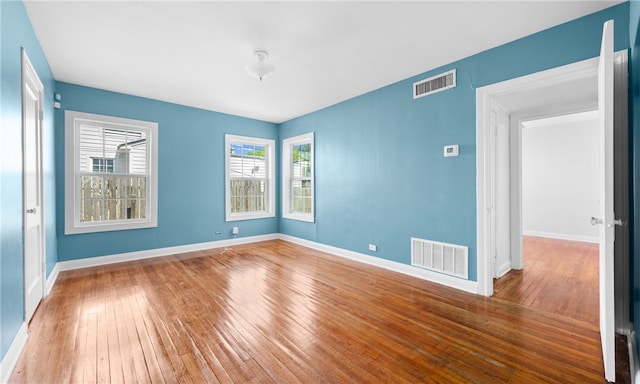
x=558, y=276
x=275, y=312
x=561, y=277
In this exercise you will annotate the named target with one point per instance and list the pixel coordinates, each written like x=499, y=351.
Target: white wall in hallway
x=560, y=184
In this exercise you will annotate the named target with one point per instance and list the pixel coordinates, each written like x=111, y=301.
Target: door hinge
x=41, y=115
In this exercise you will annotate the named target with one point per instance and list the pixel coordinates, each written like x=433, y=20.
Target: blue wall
x=380, y=174
x=191, y=205
x=381, y=177
x=17, y=32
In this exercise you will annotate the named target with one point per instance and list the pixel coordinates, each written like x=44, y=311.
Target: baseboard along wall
x=562, y=236
x=453, y=282
x=10, y=359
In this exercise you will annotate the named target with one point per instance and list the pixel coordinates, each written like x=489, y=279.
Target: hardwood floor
x=275, y=312
x=558, y=276
x=561, y=277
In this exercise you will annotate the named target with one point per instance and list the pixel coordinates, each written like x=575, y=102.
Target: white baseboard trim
x=10, y=360
x=504, y=268
x=51, y=279
x=449, y=281
x=146, y=254
x=562, y=236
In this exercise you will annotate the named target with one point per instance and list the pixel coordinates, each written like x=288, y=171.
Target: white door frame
x=485, y=97
x=29, y=76
x=500, y=198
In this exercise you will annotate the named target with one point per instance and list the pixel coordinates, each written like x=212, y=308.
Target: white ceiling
x=194, y=53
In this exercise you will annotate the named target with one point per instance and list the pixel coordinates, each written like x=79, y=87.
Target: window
x=110, y=173
x=100, y=164
x=250, y=186
x=297, y=178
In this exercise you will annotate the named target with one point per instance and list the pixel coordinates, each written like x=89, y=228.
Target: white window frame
x=72, y=223
x=270, y=149
x=287, y=177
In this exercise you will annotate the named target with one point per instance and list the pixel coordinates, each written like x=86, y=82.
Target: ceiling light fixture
x=260, y=69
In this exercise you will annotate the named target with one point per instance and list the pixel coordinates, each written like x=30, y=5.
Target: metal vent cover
x=445, y=258
x=434, y=84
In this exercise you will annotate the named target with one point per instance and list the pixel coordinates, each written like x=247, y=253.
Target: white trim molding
x=10, y=360
x=485, y=97
x=51, y=279
x=562, y=236
x=269, y=163
x=449, y=281
x=288, y=177
x=158, y=252
x=75, y=124
x=439, y=278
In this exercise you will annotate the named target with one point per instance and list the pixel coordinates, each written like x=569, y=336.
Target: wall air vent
x=434, y=84
x=445, y=258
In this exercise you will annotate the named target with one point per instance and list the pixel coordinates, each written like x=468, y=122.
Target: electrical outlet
x=234, y=231
x=373, y=247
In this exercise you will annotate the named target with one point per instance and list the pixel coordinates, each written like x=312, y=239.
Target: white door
x=501, y=192
x=32, y=183
x=606, y=220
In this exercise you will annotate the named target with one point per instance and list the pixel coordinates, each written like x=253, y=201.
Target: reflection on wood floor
x=558, y=276
x=275, y=312
x=561, y=277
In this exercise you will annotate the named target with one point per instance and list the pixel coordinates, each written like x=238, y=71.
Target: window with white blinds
x=250, y=185
x=297, y=178
x=111, y=173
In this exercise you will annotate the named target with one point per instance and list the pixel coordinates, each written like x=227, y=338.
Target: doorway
x=560, y=193
x=560, y=91
x=33, y=215
x=612, y=84
x=559, y=177
x=554, y=92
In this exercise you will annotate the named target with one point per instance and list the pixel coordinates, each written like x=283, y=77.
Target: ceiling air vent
x=434, y=84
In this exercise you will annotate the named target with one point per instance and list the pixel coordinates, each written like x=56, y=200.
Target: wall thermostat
x=450, y=150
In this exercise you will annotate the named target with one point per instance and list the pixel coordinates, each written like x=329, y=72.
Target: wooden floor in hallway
x=561, y=277
x=558, y=276
x=276, y=312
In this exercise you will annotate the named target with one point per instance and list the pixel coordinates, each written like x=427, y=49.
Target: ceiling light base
x=260, y=69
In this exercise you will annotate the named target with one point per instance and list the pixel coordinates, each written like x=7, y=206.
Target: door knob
x=31, y=210
x=618, y=222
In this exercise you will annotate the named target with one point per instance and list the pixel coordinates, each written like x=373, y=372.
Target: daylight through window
x=112, y=172
x=250, y=176
x=297, y=178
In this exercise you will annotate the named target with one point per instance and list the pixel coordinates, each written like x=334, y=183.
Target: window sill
x=249, y=216
x=299, y=217
x=102, y=227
